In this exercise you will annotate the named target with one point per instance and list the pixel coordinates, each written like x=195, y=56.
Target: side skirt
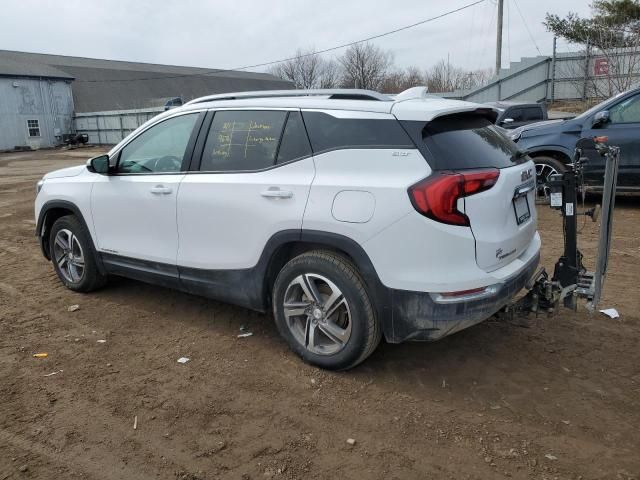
x=240, y=287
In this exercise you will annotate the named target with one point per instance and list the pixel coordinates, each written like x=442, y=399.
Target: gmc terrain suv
x=349, y=214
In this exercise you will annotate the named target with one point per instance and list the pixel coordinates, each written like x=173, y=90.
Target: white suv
x=350, y=214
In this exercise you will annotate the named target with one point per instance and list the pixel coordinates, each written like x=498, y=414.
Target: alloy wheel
x=68, y=254
x=317, y=314
x=543, y=174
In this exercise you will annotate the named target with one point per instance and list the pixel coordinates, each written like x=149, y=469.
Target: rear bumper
x=416, y=316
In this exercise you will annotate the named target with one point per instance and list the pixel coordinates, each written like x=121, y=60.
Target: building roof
x=13, y=68
x=114, y=85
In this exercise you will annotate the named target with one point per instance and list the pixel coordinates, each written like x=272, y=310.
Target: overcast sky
x=233, y=33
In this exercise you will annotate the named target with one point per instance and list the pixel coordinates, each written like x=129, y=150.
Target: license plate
x=521, y=207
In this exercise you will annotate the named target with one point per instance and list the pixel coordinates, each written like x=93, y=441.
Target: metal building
x=36, y=105
x=56, y=86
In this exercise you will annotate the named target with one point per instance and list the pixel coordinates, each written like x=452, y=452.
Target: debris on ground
x=244, y=335
x=102, y=341
x=548, y=456
x=351, y=441
x=610, y=312
x=73, y=308
x=53, y=373
x=135, y=422
x=183, y=360
x=40, y=355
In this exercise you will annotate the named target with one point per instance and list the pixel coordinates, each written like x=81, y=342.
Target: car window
x=627, y=111
x=161, y=148
x=532, y=113
x=464, y=141
x=516, y=114
x=295, y=143
x=327, y=132
x=242, y=140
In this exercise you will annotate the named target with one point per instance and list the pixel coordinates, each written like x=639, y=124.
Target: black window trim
x=189, y=151
x=196, y=161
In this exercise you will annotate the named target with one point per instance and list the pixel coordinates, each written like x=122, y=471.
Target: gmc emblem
x=526, y=175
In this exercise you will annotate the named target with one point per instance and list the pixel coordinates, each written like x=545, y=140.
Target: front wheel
x=73, y=256
x=545, y=167
x=322, y=309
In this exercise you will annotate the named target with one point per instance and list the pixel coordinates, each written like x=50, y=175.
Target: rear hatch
x=503, y=217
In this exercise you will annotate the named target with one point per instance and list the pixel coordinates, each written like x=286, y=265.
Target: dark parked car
x=551, y=144
x=514, y=115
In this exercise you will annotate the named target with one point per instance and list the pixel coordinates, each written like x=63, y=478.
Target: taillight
x=437, y=196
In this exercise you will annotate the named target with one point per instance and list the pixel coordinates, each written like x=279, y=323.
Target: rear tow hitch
x=570, y=279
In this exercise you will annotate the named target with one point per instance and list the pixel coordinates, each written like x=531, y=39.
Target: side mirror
x=507, y=121
x=600, y=119
x=99, y=164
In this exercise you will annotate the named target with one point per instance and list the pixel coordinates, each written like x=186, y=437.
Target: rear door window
x=243, y=140
x=464, y=141
x=327, y=132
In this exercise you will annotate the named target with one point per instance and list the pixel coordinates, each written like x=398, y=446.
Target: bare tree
x=330, y=74
x=444, y=77
x=365, y=66
x=398, y=80
x=307, y=70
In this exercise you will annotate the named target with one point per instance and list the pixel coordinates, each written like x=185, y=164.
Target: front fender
x=49, y=213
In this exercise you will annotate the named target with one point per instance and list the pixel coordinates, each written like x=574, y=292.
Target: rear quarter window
x=464, y=141
x=327, y=132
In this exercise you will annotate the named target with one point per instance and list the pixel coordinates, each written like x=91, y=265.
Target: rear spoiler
x=488, y=113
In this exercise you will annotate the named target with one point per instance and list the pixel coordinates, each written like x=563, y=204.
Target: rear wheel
x=73, y=256
x=323, y=311
x=545, y=167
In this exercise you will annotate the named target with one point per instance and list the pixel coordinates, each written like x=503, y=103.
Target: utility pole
x=499, y=37
x=553, y=70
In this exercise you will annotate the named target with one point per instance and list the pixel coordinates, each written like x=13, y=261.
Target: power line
x=331, y=49
x=527, y=27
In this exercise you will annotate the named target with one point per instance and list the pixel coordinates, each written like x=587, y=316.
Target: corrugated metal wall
x=108, y=128
x=46, y=100
x=538, y=79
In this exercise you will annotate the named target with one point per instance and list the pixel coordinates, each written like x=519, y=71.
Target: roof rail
x=332, y=93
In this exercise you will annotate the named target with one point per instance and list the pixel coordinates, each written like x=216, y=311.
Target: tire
x=546, y=166
x=346, y=331
x=67, y=260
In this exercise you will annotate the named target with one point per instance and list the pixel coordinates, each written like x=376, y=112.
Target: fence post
x=553, y=71
x=587, y=54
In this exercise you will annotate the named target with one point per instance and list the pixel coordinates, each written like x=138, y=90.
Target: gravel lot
x=560, y=399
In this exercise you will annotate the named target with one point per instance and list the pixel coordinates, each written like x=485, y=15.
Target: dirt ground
x=560, y=399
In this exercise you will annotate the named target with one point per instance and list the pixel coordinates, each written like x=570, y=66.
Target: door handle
x=161, y=190
x=275, y=192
